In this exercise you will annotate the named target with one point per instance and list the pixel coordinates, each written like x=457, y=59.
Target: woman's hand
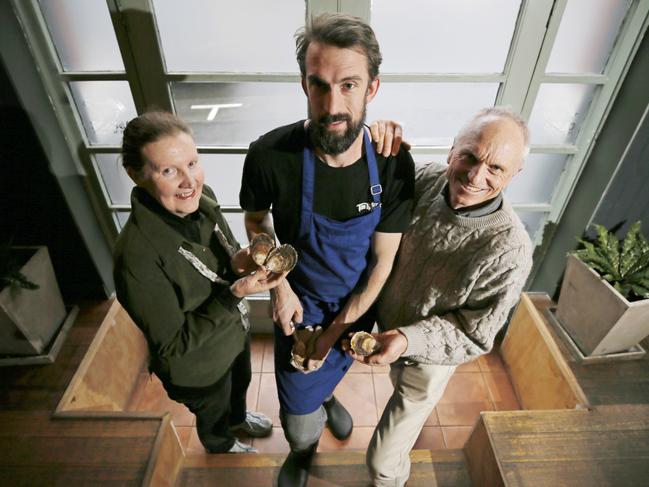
x=388, y=137
x=259, y=281
x=242, y=262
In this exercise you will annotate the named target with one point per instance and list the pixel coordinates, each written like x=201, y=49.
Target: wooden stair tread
x=41, y=424
x=66, y=475
x=344, y=468
x=96, y=449
x=576, y=447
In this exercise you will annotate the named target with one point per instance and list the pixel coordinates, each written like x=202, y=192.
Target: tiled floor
x=482, y=385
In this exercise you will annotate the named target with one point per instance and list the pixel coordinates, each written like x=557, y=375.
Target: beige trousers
x=417, y=389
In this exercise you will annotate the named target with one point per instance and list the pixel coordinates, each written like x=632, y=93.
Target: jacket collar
x=164, y=239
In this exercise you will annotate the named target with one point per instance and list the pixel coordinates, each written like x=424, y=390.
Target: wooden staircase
x=92, y=450
x=439, y=468
x=65, y=423
x=606, y=446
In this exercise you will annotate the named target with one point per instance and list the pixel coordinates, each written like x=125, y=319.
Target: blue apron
x=332, y=257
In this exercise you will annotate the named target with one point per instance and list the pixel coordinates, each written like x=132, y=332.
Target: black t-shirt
x=272, y=177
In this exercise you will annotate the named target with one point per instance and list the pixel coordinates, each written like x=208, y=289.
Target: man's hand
x=393, y=345
x=323, y=345
x=258, y=282
x=242, y=262
x=388, y=137
x=287, y=309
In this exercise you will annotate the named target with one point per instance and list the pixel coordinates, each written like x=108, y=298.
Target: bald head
x=501, y=122
x=486, y=154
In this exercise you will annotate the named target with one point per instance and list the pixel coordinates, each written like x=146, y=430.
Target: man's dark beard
x=330, y=142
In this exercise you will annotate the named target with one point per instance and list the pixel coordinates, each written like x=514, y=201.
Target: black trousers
x=219, y=405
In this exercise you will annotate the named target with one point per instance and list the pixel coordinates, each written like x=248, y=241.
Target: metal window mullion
x=544, y=55
x=233, y=77
x=93, y=76
x=101, y=183
x=532, y=207
x=527, y=43
x=137, y=37
x=289, y=77
x=628, y=42
x=443, y=77
x=224, y=208
x=554, y=148
x=585, y=78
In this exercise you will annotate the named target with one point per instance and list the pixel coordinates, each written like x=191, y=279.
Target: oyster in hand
x=281, y=259
x=260, y=246
x=364, y=344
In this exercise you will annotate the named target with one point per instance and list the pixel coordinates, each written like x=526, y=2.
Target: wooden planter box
x=597, y=317
x=29, y=318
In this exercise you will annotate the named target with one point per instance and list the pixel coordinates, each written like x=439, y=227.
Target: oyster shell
x=260, y=246
x=281, y=259
x=362, y=343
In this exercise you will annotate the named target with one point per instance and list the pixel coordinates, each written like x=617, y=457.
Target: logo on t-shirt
x=367, y=207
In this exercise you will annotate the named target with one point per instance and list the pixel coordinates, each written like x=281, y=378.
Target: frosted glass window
x=532, y=221
x=245, y=36
x=223, y=175
x=423, y=159
x=83, y=34
x=121, y=217
x=586, y=35
x=431, y=113
x=235, y=114
x=559, y=112
x=105, y=108
x=238, y=227
x=115, y=179
x=538, y=179
x=451, y=36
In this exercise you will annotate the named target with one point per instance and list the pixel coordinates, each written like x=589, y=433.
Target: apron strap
x=308, y=182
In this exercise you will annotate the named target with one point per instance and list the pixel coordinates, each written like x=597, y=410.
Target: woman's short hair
x=148, y=127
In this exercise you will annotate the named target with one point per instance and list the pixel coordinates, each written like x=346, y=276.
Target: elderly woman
x=177, y=273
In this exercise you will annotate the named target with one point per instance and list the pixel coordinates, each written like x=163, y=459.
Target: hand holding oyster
x=364, y=344
x=276, y=259
x=303, y=348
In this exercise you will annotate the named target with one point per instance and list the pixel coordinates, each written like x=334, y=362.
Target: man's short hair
x=498, y=112
x=343, y=31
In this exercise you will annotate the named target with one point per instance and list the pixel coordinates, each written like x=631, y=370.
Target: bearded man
x=343, y=207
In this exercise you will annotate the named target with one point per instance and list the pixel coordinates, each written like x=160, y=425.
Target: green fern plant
x=623, y=263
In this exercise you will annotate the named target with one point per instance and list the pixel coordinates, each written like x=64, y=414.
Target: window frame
x=536, y=28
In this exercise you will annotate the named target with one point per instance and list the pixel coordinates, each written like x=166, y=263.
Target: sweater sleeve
x=467, y=332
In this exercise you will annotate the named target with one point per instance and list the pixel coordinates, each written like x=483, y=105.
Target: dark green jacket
x=192, y=325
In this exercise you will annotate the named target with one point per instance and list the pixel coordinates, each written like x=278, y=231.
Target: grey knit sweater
x=455, y=278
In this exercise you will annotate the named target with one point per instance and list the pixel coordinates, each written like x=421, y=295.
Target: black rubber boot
x=338, y=419
x=295, y=469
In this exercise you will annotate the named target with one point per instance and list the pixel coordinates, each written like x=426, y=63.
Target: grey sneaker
x=239, y=447
x=255, y=425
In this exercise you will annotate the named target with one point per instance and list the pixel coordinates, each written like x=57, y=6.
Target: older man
x=460, y=268
x=343, y=207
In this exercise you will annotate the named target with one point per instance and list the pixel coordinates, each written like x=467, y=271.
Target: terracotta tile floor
x=482, y=385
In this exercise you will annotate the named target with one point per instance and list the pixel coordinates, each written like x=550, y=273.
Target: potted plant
x=31, y=305
x=604, y=300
